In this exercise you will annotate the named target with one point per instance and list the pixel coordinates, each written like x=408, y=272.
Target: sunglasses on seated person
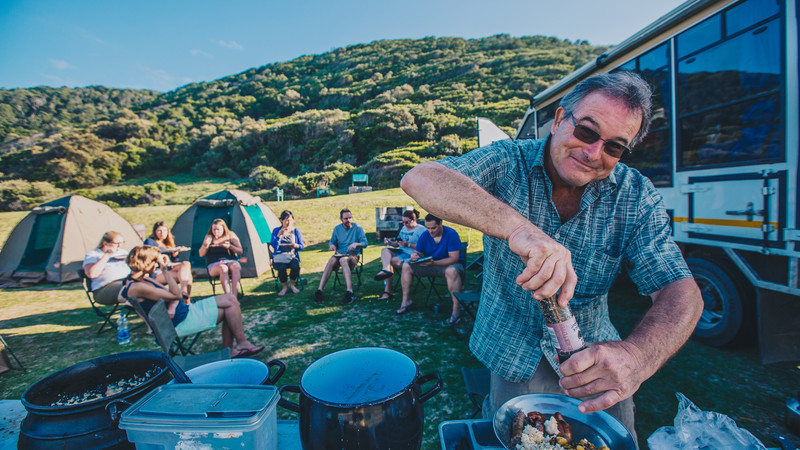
x=589, y=136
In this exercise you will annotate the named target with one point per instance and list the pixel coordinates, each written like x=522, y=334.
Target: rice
x=533, y=439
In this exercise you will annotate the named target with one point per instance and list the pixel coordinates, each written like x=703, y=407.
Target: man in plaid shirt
x=562, y=215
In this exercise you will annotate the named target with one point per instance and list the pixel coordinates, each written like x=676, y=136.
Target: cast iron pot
x=91, y=424
x=361, y=398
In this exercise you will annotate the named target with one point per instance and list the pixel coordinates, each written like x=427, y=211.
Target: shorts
x=108, y=294
x=435, y=271
x=202, y=316
x=352, y=261
x=401, y=255
x=221, y=261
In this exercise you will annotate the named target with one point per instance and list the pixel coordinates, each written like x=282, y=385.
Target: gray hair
x=628, y=87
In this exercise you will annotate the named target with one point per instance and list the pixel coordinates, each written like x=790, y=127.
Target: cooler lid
x=202, y=404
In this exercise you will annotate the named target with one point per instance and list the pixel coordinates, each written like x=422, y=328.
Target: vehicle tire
x=725, y=303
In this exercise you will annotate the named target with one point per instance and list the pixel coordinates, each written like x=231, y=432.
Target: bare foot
x=294, y=290
x=282, y=292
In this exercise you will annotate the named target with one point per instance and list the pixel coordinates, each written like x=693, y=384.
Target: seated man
x=105, y=266
x=443, y=246
x=347, y=240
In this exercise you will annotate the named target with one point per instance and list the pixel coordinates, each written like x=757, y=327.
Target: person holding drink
x=221, y=248
x=287, y=241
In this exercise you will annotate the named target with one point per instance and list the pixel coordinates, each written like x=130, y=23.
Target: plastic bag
x=696, y=429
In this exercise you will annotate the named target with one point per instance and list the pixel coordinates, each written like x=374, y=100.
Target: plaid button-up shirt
x=622, y=221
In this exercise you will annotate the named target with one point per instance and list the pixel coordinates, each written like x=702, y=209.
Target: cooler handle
x=114, y=413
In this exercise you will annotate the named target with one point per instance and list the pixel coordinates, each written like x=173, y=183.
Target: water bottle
x=563, y=327
x=123, y=335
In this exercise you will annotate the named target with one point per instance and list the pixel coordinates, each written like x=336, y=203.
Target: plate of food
x=550, y=421
x=423, y=259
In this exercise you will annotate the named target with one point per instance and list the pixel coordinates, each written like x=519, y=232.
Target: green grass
x=51, y=327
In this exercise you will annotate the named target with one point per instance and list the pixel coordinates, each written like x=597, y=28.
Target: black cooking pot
x=91, y=424
x=361, y=398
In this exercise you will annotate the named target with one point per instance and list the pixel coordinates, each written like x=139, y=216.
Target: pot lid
x=358, y=376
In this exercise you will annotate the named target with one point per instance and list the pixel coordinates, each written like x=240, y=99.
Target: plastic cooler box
x=204, y=416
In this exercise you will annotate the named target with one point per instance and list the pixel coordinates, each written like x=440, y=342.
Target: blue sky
x=165, y=44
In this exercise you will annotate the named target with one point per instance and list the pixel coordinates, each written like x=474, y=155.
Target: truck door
x=747, y=208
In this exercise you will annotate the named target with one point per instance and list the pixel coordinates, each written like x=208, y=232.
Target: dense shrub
x=19, y=195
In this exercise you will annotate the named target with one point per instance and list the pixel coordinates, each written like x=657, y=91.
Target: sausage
x=517, y=425
x=564, y=429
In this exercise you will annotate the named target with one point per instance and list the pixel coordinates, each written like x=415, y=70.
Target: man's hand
x=352, y=247
x=548, y=264
x=614, y=369
x=332, y=247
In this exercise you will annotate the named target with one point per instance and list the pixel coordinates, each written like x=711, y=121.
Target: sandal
x=452, y=321
x=382, y=275
x=404, y=309
x=246, y=352
x=386, y=296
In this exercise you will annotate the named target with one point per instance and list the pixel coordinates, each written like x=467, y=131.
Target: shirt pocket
x=599, y=271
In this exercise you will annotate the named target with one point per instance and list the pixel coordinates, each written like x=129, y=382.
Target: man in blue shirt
x=347, y=241
x=562, y=215
x=443, y=246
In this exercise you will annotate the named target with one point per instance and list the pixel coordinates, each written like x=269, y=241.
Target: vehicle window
x=749, y=13
x=728, y=100
x=653, y=156
x=545, y=118
x=701, y=35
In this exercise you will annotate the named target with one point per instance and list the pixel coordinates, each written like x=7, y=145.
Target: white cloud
x=60, y=64
x=231, y=44
x=197, y=52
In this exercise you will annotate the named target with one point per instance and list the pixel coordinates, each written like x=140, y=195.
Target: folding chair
x=477, y=383
x=164, y=331
x=434, y=282
x=356, y=271
x=300, y=283
x=214, y=280
x=5, y=363
x=106, y=312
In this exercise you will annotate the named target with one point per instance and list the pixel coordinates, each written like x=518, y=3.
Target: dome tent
x=245, y=215
x=51, y=241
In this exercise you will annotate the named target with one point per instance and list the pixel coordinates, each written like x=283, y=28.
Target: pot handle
x=286, y=403
x=114, y=412
x=271, y=380
x=432, y=391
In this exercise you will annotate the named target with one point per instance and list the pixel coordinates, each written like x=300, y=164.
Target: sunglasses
x=589, y=136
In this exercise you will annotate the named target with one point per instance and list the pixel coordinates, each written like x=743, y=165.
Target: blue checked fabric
x=622, y=221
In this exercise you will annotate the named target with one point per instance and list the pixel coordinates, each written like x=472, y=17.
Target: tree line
x=377, y=108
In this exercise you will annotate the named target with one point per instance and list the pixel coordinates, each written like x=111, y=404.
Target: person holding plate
x=287, y=241
x=398, y=251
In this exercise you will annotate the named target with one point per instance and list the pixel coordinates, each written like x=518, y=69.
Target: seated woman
x=163, y=239
x=221, y=247
x=392, y=258
x=287, y=241
x=106, y=267
x=144, y=261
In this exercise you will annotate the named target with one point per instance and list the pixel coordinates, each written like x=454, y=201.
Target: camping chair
x=468, y=300
x=102, y=311
x=434, y=282
x=477, y=383
x=5, y=361
x=214, y=280
x=164, y=331
x=301, y=282
x=356, y=271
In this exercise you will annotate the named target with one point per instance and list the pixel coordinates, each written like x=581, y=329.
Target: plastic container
x=230, y=371
x=192, y=416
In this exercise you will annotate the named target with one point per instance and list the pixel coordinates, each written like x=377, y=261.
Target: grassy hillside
x=377, y=108
x=52, y=327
